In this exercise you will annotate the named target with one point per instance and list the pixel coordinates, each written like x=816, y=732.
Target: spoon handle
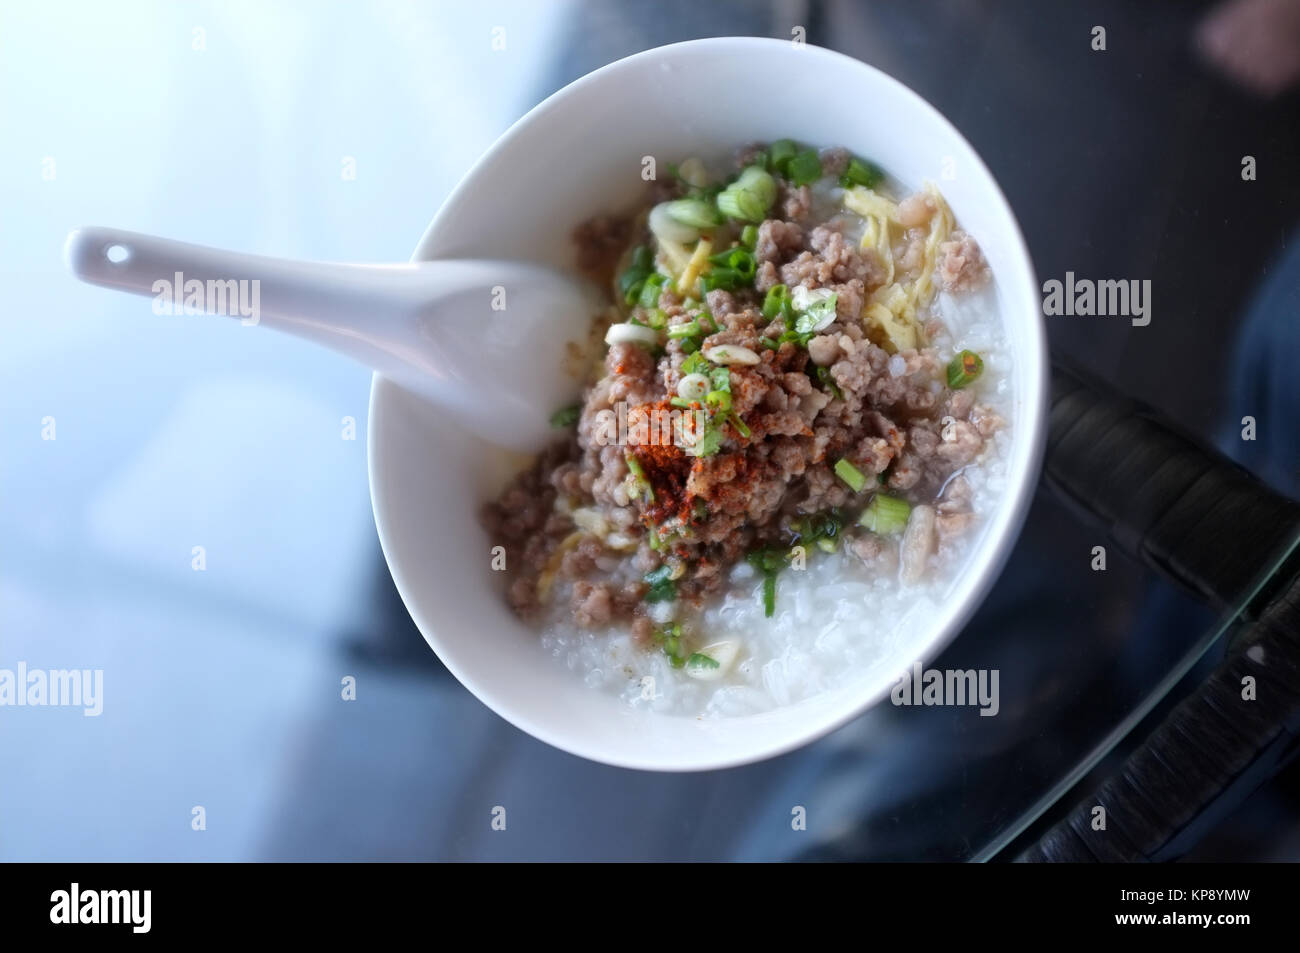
x=191, y=279
x=437, y=327
x=367, y=312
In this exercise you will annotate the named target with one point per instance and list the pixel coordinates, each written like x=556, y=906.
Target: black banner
x=247, y=901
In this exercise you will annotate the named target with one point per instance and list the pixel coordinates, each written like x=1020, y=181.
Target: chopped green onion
x=566, y=416
x=657, y=318
x=769, y=594
x=766, y=559
x=817, y=316
x=693, y=386
x=739, y=424
x=664, y=227
x=662, y=587
x=718, y=277
x=633, y=279
x=885, y=514
x=736, y=204
x=826, y=524
x=861, y=172
x=687, y=330
x=963, y=369
x=700, y=660
x=805, y=168
x=850, y=474
x=692, y=172
x=820, y=529
x=738, y=259
x=690, y=345
x=650, y=289
x=749, y=197
x=679, y=402
x=694, y=212
x=780, y=153
x=770, y=343
x=670, y=638
x=824, y=375
x=777, y=302
x=639, y=477
x=749, y=236
x=754, y=179
x=720, y=399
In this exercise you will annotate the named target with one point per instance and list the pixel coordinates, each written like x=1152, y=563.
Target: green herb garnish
x=776, y=303
x=720, y=378
x=861, y=172
x=769, y=595
x=964, y=369
x=749, y=197
x=824, y=375
x=631, y=282
x=694, y=212
x=707, y=443
x=769, y=561
x=696, y=364
x=650, y=289
x=662, y=587
x=855, y=478
x=780, y=153
x=566, y=416
x=670, y=639
x=885, y=514
x=805, y=168
x=739, y=259
x=639, y=478
x=808, y=320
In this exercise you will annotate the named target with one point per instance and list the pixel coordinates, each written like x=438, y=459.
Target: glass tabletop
x=1123, y=159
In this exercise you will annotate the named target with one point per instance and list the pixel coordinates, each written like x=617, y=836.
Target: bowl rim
x=1021, y=482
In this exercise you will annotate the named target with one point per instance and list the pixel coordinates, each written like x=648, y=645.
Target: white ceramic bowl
x=579, y=153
